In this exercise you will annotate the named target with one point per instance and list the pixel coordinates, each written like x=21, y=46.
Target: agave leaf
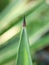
x=24, y=57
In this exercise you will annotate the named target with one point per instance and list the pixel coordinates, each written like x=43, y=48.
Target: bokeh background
x=36, y=13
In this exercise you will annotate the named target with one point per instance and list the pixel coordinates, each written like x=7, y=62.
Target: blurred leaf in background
x=3, y=4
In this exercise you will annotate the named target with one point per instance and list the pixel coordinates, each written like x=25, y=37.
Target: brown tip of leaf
x=24, y=22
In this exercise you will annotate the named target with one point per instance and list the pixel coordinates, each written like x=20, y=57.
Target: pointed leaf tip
x=24, y=22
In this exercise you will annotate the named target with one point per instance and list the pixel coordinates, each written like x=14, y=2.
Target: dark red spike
x=24, y=22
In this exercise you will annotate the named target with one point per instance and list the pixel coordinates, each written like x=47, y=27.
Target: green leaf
x=24, y=57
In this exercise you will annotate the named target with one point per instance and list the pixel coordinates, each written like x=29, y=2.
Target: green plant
x=37, y=24
x=24, y=56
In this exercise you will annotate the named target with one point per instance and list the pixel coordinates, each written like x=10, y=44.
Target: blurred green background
x=12, y=12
